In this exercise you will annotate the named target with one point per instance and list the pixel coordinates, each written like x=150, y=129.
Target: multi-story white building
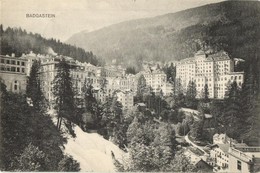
x=13, y=73
x=78, y=74
x=219, y=153
x=217, y=71
x=154, y=78
x=48, y=72
x=126, y=98
x=123, y=83
x=244, y=159
x=108, y=71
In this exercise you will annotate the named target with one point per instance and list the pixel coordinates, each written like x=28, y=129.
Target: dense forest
x=29, y=139
x=18, y=41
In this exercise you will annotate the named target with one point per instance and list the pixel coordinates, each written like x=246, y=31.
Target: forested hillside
x=18, y=41
x=231, y=25
x=29, y=139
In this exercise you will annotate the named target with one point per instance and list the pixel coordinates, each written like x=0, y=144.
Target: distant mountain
x=231, y=25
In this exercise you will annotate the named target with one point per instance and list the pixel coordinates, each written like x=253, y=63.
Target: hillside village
x=130, y=86
x=207, y=77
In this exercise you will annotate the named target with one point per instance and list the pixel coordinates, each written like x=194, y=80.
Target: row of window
x=13, y=69
x=222, y=62
x=202, y=85
x=49, y=67
x=204, y=71
x=13, y=62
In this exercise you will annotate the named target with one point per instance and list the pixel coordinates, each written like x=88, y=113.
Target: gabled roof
x=205, y=163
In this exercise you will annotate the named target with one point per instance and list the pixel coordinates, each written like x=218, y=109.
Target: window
x=13, y=62
x=13, y=69
x=239, y=165
x=15, y=85
x=22, y=63
x=8, y=62
x=18, y=62
x=2, y=61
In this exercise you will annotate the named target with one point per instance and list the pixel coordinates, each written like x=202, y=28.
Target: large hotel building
x=13, y=73
x=217, y=71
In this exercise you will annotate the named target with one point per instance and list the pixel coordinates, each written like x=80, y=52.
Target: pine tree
x=33, y=88
x=164, y=146
x=250, y=99
x=180, y=163
x=68, y=164
x=251, y=134
x=178, y=89
x=31, y=159
x=141, y=158
x=63, y=93
x=190, y=98
x=103, y=80
x=232, y=112
x=206, y=93
x=197, y=128
x=170, y=72
x=88, y=96
x=112, y=116
x=132, y=130
x=141, y=86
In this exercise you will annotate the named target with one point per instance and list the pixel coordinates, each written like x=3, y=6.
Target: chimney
x=13, y=55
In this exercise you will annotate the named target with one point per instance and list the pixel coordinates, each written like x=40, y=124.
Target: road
x=194, y=145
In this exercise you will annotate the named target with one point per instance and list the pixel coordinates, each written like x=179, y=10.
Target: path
x=194, y=145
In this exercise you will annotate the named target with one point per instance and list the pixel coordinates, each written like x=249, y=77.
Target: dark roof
x=205, y=163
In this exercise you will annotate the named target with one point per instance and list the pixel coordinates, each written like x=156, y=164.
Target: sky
x=73, y=16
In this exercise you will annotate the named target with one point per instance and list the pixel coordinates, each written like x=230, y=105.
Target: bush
x=68, y=164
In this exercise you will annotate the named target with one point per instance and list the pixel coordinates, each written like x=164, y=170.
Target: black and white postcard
x=130, y=86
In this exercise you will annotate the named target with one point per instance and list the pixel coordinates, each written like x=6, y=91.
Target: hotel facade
x=13, y=73
x=217, y=71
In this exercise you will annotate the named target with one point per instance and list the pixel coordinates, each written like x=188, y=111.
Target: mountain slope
x=231, y=25
x=18, y=41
